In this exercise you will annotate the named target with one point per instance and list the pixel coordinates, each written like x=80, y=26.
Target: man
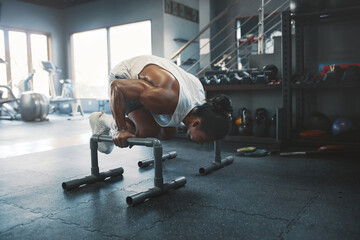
x=151, y=96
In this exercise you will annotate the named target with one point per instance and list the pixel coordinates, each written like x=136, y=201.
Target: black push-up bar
x=159, y=186
x=218, y=163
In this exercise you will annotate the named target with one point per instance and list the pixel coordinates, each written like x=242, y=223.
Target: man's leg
x=146, y=126
x=98, y=127
x=103, y=124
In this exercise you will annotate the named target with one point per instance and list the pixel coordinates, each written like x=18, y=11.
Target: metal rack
x=305, y=95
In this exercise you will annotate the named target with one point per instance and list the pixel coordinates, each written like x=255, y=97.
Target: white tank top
x=191, y=92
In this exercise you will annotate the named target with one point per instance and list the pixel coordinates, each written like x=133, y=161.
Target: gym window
x=22, y=52
x=100, y=50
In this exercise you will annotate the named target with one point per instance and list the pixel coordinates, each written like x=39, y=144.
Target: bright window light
x=90, y=55
x=39, y=52
x=130, y=40
x=18, y=59
x=3, y=77
x=90, y=64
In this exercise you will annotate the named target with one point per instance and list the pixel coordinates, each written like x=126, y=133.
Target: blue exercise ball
x=342, y=125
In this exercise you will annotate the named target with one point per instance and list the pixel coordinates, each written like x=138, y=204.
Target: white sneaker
x=100, y=129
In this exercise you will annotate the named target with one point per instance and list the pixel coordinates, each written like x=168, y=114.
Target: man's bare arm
x=157, y=99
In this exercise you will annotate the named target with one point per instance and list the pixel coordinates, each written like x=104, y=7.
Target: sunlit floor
x=253, y=198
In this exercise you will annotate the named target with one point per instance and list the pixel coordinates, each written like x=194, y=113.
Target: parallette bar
x=149, y=142
x=148, y=162
x=155, y=191
x=216, y=165
x=92, y=179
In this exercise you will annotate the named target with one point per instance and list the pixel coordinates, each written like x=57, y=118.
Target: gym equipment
x=256, y=153
x=341, y=126
x=64, y=103
x=333, y=75
x=239, y=77
x=159, y=186
x=218, y=163
x=25, y=85
x=261, y=123
x=217, y=78
x=148, y=162
x=313, y=134
x=34, y=106
x=270, y=72
x=246, y=149
x=30, y=107
x=317, y=121
x=351, y=74
x=260, y=79
x=324, y=150
x=10, y=107
x=245, y=126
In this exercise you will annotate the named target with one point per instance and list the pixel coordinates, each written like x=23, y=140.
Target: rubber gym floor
x=268, y=197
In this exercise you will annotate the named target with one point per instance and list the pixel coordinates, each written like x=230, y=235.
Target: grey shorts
x=131, y=105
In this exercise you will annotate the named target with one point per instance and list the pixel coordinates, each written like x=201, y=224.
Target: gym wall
x=180, y=28
x=105, y=13
x=21, y=15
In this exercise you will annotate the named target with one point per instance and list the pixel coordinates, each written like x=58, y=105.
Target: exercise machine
x=159, y=186
x=30, y=106
x=61, y=102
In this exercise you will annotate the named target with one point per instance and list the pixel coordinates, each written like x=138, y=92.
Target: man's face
x=196, y=135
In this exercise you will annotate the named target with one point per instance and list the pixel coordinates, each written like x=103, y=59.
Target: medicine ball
x=317, y=121
x=341, y=126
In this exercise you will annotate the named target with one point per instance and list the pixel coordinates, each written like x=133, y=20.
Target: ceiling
x=59, y=4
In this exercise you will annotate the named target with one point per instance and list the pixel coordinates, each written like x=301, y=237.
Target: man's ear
x=196, y=123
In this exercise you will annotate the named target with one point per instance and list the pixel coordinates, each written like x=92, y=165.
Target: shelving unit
x=241, y=87
x=305, y=94
x=250, y=140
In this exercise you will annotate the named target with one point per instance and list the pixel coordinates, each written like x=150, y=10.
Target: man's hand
x=120, y=138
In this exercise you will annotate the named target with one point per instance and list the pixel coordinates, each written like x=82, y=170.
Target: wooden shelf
x=241, y=87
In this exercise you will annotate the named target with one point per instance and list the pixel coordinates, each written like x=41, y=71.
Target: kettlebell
x=261, y=123
x=245, y=126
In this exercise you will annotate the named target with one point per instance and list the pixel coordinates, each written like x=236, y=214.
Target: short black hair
x=215, y=116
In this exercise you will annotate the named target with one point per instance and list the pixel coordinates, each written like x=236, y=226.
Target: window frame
x=28, y=32
x=107, y=28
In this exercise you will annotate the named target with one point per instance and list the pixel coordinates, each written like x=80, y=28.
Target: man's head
x=210, y=121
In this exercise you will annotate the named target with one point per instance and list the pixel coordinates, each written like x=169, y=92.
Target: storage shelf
x=247, y=140
x=251, y=139
x=327, y=15
x=327, y=85
x=241, y=87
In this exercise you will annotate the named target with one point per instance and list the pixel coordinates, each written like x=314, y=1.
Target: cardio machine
x=64, y=103
x=30, y=106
